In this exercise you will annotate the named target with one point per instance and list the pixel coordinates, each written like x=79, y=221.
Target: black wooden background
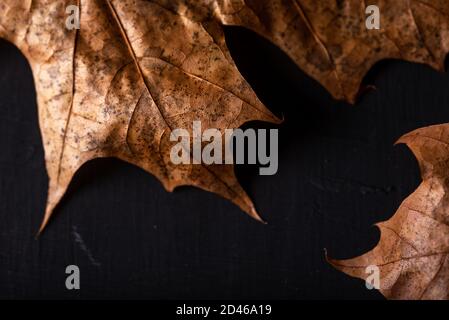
x=339, y=174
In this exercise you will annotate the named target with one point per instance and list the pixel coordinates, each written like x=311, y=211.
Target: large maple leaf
x=120, y=84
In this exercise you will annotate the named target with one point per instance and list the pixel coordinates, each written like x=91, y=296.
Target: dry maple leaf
x=329, y=40
x=413, y=251
x=119, y=85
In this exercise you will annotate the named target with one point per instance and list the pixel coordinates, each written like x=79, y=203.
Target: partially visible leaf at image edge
x=413, y=252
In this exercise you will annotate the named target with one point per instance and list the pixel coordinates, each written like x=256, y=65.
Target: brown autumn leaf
x=119, y=85
x=413, y=252
x=329, y=40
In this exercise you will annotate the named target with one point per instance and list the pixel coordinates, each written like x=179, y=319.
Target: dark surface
x=339, y=174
